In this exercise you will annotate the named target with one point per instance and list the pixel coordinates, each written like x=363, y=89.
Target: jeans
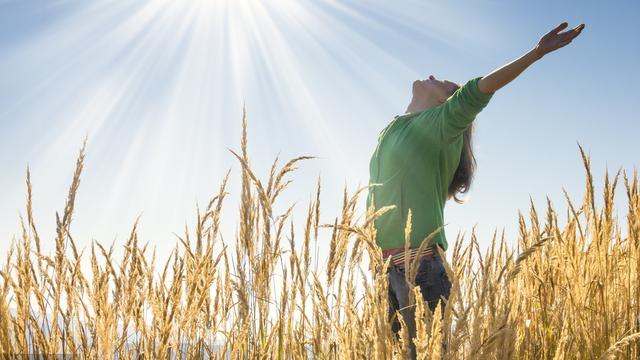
x=434, y=283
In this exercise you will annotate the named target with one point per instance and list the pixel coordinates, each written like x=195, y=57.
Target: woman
x=424, y=158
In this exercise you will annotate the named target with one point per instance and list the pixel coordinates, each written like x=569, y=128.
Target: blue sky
x=158, y=87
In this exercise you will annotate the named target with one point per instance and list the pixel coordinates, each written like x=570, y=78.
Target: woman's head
x=431, y=92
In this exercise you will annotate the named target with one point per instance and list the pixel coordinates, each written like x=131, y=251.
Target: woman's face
x=432, y=88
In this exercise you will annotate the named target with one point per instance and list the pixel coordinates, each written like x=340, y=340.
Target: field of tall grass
x=568, y=290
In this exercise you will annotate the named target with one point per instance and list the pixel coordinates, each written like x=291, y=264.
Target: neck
x=419, y=105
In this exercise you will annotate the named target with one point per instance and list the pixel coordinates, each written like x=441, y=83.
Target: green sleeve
x=461, y=109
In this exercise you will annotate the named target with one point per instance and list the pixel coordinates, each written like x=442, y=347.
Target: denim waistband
x=398, y=255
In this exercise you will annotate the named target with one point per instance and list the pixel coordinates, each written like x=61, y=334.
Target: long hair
x=466, y=168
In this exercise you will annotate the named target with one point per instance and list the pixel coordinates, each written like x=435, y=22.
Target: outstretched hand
x=554, y=40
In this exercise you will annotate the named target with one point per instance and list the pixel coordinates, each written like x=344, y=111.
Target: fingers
x=576, y=30
x=573, y=32
x=569, y=35
x=558, y=28
x=579, y=28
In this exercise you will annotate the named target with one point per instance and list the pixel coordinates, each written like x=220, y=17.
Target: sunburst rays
x=158, y=87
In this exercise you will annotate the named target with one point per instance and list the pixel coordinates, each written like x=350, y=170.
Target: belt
x=397, y=255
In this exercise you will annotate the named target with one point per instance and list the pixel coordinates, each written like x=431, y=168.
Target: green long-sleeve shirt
x=415, y=160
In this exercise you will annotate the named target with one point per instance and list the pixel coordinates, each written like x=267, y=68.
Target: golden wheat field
x=568, y=291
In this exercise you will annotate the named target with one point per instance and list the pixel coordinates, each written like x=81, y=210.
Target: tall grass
x=571, y=292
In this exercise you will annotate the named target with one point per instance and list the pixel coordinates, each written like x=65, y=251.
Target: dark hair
x=466, y=168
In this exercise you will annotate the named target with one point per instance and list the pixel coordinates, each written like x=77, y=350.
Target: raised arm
x=549, y=42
